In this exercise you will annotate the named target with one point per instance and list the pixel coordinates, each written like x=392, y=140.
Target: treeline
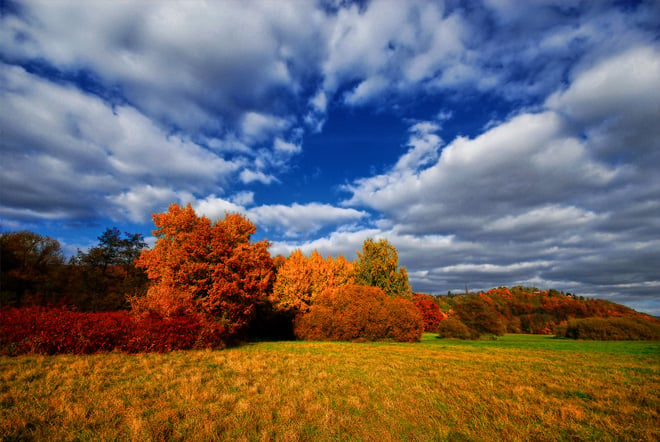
x=207, y=279
x=207, y=284
x=34, y=271
x=530, y=310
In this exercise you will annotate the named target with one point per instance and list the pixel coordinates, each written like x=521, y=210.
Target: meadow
x=518, y=387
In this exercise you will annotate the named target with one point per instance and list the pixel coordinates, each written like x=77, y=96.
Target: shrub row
x=49, y=331
x=359, y=313
x=609, y=329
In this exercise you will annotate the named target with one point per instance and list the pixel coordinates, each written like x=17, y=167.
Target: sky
x=494, y=142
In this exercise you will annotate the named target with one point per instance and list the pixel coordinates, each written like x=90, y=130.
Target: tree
x=300, y=279
x=106, y=274
x=208, y=269
x=378, y=266
x=480, y=317
x=30, y=265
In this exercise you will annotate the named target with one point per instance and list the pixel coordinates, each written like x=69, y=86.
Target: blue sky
x=493, y=142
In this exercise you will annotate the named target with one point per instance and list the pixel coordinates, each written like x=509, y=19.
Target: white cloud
x=141, y=201
x=216, y=208
x=80, y=153
x=285, y=147
x=303, y=218
x=250, y=176
x=491, y=176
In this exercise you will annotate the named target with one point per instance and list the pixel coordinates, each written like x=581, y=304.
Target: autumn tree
x=30, y=266
x=300, y=279
x=206, y=269
x=378, y=266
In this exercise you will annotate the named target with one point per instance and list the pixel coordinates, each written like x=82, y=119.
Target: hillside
x=530, y=310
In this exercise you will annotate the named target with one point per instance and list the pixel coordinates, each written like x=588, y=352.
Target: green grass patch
x=514, y=388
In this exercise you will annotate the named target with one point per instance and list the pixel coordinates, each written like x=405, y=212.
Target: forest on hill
x=207, y=284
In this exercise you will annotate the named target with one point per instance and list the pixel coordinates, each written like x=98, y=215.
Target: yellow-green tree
x=378, y=266
x=300, y=279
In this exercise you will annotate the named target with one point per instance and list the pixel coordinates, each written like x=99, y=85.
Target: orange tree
x=210, y=270
x=300, y=279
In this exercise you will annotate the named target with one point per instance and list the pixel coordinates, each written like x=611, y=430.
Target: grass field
x=514, y=388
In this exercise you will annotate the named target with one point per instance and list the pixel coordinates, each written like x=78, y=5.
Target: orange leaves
x=360, y=313
x=211, y=269
x=300, y=279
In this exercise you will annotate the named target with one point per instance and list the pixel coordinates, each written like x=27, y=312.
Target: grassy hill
x=531, y=310
x=518, y=387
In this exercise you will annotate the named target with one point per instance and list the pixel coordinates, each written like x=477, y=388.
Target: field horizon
x=518, y=387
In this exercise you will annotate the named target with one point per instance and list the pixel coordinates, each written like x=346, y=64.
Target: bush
x=359, y=313
x=609, y=329
x=454, y=328
x=50, y=331
x=57, y=330
x=430, y=312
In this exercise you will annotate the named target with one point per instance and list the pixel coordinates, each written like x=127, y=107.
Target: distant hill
x=530, y=310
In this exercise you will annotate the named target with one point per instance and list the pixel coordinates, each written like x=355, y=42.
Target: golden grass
x=337, y=391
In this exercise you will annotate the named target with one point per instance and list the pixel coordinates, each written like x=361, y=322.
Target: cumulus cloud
x=550, y=198
x=303, y=218
x=80, y=153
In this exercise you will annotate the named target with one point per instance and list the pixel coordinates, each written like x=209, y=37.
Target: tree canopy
x=378, y=266
x=199, y=267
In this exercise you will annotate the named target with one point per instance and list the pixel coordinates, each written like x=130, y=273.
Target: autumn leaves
x=213, y=271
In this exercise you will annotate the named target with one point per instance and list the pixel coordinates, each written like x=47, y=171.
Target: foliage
x=530, y=310
x=430, y=311
x=610, y=329
x=378, y=266
x=205, y=269
x=30, y=267
x=454, y=328
x=57, y=330
x=480, y=318
x=49, y=331
x=300, y=279
x=359, y=313
x=102, y=278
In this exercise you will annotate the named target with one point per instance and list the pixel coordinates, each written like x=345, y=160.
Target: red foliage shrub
x=430, y=312
x=57, y=330
x=51, y=331
x=359, y=313
x=156, y=334
x=405, y=323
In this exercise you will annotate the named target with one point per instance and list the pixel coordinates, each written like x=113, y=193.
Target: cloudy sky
x=494, y=142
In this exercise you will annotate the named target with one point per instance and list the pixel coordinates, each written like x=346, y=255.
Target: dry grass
x=517, y=388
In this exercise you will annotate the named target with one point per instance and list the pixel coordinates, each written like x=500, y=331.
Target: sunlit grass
x=514, y=388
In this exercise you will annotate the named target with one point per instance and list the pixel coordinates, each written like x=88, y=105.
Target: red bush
x=51, y=331
x=359, y=313
x=57, y=330
x=430, y=312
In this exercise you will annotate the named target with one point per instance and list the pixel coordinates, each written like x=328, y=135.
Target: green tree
x=378, y=266
x=102, y=277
